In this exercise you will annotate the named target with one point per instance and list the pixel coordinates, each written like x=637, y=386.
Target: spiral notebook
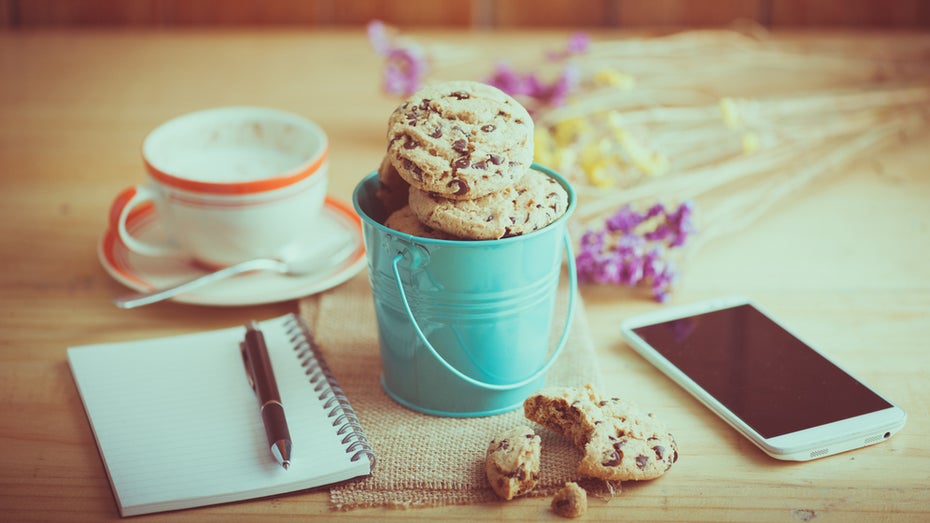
x=178, y=426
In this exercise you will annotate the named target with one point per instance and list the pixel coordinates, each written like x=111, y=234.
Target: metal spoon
x=296, y=267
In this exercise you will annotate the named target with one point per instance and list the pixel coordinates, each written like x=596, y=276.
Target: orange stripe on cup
x=246, y=187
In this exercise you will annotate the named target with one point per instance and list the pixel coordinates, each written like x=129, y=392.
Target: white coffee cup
x=230, y=184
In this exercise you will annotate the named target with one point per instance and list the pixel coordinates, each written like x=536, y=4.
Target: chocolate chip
x=437, y=133
x=460, y=95
x=459, y=186
x=518, y=473
x=488, y=128
x=496, y=159
x=503, y=445
x=614, y=458
x=413, y=168
x=480, y=165
x=424, y=104
x=642, y=461
x=461, y=163
x=410, y=143
x=660, y=451
x=460, y=146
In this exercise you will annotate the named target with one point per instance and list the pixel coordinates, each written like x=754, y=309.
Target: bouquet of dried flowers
x=664, y=150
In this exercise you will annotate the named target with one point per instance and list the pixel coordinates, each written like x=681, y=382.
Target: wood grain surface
x=844, y=263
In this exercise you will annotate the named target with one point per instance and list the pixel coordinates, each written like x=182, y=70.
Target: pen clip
x=248, y=365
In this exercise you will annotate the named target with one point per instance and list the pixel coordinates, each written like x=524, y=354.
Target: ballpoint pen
x=261, y=376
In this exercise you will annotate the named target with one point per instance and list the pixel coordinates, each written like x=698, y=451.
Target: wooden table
x=845, y=263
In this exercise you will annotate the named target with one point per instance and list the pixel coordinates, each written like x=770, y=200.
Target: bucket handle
x=572, y=289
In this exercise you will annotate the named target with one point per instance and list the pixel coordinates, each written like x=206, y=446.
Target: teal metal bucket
x=464, y=326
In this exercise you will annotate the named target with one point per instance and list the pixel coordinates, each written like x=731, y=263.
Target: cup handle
x=572, y=290
x=125, y=202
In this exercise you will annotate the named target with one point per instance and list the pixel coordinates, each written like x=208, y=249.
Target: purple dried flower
x=682, y=224
x=634, y=248
x=404, y=70
x=507, y=79
x=655, y=210
x=530, y=86
x=578, y=43
x=662, y=282
x=378, y=37
x=405, y=66
x=557, y=93
x=624, y=220
x=660, y=233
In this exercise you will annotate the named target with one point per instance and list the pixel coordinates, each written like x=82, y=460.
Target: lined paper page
x=178, y=425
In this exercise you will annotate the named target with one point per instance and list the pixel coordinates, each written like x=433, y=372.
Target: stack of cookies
x=458, y=166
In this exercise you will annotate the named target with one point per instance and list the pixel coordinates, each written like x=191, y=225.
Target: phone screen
x=765, y=375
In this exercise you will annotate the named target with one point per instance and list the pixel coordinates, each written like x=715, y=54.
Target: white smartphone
x=775, y=389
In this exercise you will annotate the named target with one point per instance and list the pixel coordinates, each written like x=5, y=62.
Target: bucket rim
x=572, y=204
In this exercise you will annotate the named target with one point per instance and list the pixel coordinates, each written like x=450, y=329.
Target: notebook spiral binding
x=332, y=396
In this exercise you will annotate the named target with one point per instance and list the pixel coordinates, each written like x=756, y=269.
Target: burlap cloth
x=425, y=460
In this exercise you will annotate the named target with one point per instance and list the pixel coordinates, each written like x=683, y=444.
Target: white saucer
x=144, y=273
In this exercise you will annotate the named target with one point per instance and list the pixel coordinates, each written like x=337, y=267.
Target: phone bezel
x=810, y=443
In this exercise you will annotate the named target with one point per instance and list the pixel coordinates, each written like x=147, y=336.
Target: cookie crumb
x=571, y=501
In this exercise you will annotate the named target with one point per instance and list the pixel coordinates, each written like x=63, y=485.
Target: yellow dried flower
x=731, y=114
x=610, y=77
x=568, y=132
x=751, y=142
x=543, y=146
x=649, y=161
x=598, y=178
x=594, y=160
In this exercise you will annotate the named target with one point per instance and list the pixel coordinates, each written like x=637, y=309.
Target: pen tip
x=286, y=465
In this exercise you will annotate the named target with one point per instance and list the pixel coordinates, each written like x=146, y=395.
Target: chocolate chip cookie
x=403, y=220
x=392, y=189
x=533, y=202
x=619, y=441
x=628, y=445
x=512, y=462
x=460, y=140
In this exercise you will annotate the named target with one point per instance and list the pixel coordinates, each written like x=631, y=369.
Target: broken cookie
x=512, y=462
x=619, y=441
